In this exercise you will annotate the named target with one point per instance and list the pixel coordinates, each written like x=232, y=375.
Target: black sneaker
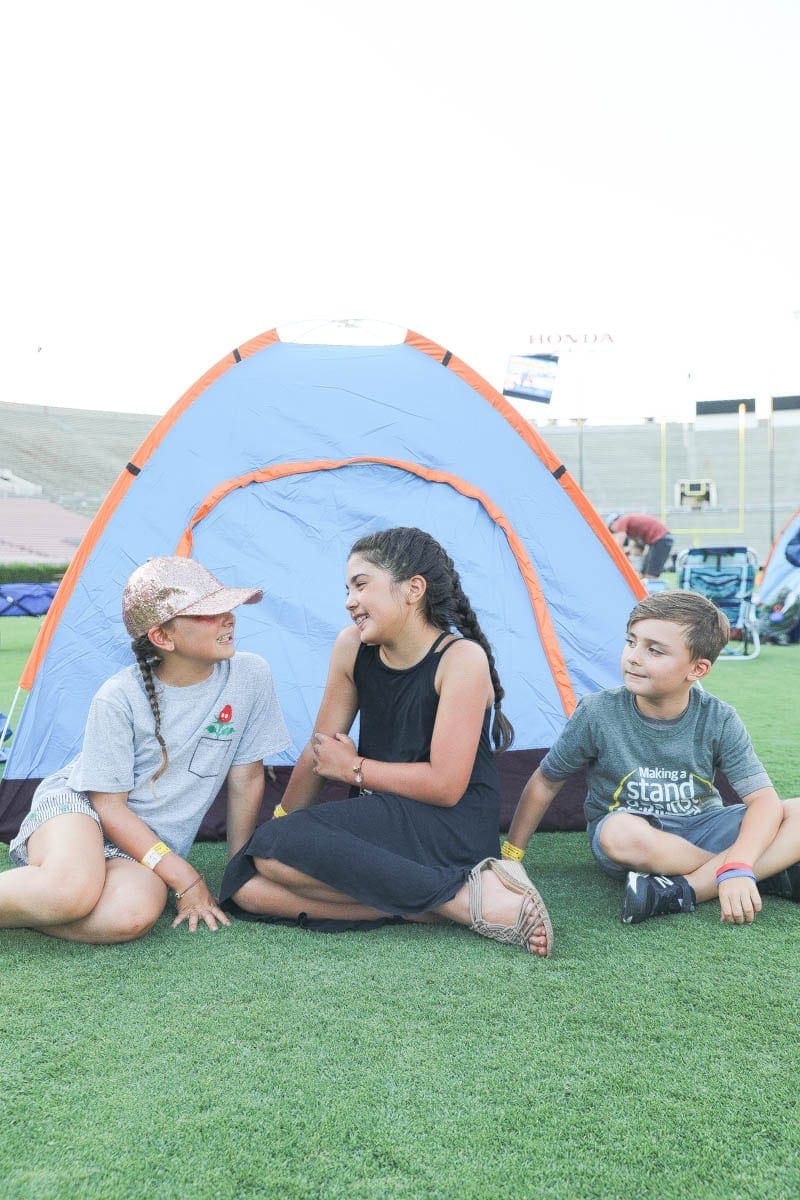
x=655, y=896
x=786, y=884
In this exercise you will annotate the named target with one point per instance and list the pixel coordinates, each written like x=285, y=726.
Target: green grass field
x=654, y=1061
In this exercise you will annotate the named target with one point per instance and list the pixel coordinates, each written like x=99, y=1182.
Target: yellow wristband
x=513, y=852
x=154, y=855
x=279, y=810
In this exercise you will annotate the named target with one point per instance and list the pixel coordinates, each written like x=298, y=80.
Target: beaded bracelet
x=510, y=851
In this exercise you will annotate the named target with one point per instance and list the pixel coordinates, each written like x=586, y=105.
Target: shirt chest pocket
x=210, y=757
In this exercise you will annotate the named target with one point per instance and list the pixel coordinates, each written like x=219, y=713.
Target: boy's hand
x=739, y=901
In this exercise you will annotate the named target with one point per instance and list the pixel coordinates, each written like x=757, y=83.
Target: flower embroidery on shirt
x=222, y=726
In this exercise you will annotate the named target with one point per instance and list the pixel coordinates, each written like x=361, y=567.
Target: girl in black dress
x=425, y=795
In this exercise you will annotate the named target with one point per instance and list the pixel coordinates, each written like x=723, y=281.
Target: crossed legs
x=278, y=890
x=635, y=845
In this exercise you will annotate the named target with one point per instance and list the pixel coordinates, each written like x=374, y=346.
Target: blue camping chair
x=726, y=575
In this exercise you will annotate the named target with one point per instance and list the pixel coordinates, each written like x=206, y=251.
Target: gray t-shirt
x=229, y=719
x=650, y=766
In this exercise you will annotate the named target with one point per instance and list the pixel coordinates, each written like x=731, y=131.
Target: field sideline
x=417, y=1063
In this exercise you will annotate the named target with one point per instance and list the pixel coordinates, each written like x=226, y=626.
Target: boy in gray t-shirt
x=651, y=748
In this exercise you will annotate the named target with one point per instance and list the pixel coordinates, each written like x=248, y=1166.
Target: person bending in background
x=647, y=532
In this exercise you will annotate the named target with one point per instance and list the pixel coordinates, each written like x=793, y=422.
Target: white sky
x=180, y=176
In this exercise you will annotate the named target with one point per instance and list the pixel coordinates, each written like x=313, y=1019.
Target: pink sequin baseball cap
x=163, y=588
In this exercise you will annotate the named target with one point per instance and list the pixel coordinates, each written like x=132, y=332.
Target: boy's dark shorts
x=715, y=829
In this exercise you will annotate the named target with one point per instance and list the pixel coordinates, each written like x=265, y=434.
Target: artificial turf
x=650, y=1061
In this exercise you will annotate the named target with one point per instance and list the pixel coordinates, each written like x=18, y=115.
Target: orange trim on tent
x=246, y=350
x=547, y=633
x=71, y=575
x=260, y=342
x=116, y=494
x=537, y=443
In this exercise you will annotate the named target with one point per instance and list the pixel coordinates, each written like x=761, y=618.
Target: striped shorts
x=55, y=803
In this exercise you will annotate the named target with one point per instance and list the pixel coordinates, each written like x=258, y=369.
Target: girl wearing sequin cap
x=107, y=837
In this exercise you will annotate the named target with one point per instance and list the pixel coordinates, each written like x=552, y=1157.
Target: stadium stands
x=634, y=468
x=76, y=455
x=38, y=531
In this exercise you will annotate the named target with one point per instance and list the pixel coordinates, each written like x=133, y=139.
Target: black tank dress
x=384, y=850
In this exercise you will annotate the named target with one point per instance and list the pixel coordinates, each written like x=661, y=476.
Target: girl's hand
x=196, y=904
x=334, y=757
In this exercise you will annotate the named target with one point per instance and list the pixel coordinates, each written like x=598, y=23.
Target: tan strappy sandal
x=529, y=919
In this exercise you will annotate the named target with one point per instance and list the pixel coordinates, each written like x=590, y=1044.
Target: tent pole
x=9, y=716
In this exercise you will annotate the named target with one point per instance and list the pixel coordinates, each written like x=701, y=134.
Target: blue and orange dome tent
x=270, y=467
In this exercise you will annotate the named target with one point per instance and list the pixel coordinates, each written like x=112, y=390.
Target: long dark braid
x=147, y=656
x=406, y=551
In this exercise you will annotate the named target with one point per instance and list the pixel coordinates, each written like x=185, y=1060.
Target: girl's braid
x=146, y=657
x=467, y=624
